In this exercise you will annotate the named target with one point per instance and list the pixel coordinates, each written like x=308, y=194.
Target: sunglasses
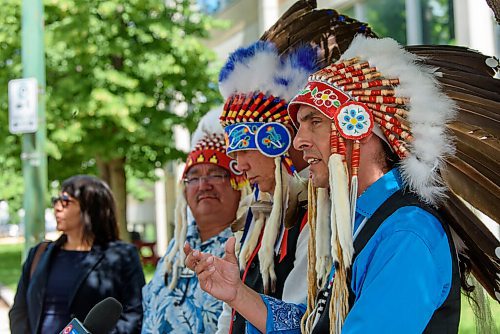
x=63, y=199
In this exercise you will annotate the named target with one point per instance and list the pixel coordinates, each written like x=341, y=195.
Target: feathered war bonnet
x=377, y=87
x=257, y=84
x=208, y=147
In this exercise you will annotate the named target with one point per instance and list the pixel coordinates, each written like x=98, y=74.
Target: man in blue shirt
x=395, y=268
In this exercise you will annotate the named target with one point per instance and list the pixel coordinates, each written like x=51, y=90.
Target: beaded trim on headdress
x=376, y=87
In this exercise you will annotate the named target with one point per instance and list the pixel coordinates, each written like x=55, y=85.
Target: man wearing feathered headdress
x=173, y=300
x=259, y=135
x=372, y=126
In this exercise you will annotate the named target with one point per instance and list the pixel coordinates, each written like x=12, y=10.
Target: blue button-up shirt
x=187, y=308
x=400, y=278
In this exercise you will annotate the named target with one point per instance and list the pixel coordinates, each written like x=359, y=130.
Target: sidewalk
x=6, y=300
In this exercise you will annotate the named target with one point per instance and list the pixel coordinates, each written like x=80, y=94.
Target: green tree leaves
x=114, y=70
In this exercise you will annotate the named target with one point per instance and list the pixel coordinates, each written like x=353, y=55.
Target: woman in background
x=85, y=265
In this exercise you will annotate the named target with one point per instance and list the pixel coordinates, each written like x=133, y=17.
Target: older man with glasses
x=210, y=187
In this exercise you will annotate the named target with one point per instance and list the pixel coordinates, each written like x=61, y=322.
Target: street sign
x=23, y=105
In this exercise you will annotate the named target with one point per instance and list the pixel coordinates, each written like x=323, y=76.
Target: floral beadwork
x=354, y=121
x=240, y=136
x=273, y=139
x=286, y=316
x=326, y=97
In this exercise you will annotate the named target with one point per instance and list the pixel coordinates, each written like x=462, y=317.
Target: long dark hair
x=97, y=206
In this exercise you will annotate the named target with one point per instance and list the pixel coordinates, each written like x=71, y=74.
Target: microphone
x=101, y=319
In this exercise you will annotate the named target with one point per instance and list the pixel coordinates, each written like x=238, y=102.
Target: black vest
x=254, y=279
x=446, y=318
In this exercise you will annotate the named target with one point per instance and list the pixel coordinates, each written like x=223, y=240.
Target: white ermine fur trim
x=297, y=190
x=353, y=193
x=180, y=233
x=340, y=209
x=209, y=124
x=237, y=246
x=323, y=232
x=271, y=230
x=252, y=238
x=429, y=111
x=246, y=199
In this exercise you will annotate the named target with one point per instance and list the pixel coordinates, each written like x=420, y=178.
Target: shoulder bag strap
x=38, y=254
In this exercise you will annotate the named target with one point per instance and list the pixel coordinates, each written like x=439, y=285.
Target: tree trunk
x=103, y=168
x=113, y=173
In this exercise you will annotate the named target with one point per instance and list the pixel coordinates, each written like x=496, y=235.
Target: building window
x=437, y=22
x=387, y=18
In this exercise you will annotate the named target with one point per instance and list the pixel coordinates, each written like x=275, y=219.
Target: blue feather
x=281, y=81
x=304, y=57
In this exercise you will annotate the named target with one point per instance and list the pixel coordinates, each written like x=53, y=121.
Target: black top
x=111, y=270
x=63, y=274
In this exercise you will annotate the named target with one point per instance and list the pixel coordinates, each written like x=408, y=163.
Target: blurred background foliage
x=116, y=71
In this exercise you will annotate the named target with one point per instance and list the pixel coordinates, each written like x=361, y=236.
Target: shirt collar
x=193, y=235
x=376, y=194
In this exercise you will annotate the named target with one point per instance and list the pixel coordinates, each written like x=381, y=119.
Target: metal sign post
x=32, y=126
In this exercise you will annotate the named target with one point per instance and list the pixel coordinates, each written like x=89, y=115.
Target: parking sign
x=23, y=105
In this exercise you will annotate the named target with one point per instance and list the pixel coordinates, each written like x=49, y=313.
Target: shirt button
x=234, y=318
x=252, y=265
x=72, y=315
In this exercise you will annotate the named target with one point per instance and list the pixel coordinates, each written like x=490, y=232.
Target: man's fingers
x=204, y=264
x=205, y=275
x=191, y=256
x=230, y=255
x=187, y=248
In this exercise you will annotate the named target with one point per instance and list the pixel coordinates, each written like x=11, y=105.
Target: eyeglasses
x=63, y=198
x=212, y=179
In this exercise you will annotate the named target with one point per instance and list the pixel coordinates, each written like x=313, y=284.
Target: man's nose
x=242, y=163
x=204, y=183
x=302, y=139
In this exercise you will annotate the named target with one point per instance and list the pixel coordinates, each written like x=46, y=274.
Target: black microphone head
x=103, y=317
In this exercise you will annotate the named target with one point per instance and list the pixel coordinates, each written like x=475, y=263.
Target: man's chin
x=319, y=182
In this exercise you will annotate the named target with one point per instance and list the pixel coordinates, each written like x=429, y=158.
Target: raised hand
x=219, y=277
